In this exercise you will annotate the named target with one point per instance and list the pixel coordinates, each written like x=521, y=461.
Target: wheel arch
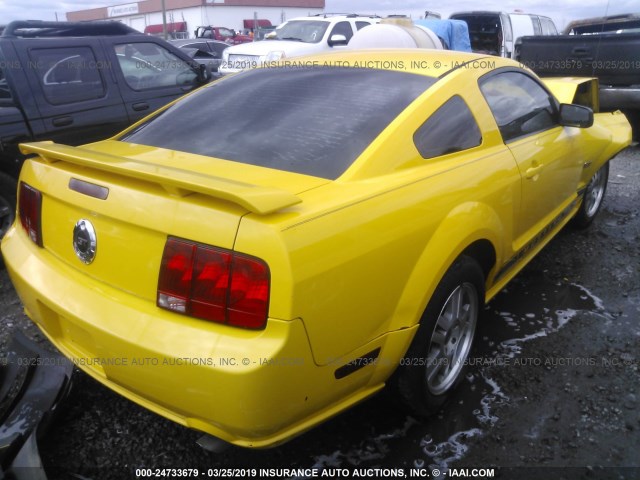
x=472, y=229
x=483, y=252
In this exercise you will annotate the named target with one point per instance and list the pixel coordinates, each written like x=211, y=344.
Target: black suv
x=76, y=83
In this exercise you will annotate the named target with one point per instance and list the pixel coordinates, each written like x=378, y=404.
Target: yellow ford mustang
x=279, y=245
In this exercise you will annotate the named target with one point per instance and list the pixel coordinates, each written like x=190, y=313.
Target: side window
x=226, y=33
x=67, y=75
x=342, y=28
x=450, y=129
x=148, y=65
x=519, y=104
x=537, y=27
x=360, y=24
x=548, y=27
x=506, y=27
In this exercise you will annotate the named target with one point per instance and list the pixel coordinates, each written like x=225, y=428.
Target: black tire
x=8, y=198
x=592, y=198
x=436, y=360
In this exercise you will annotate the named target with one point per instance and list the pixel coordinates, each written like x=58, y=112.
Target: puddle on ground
x=524, y=311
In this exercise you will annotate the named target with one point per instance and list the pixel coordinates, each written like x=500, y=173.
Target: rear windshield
x=314, y=121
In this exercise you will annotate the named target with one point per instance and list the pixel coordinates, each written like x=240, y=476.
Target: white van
x=496, y=33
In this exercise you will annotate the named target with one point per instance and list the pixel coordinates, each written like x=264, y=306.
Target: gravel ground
x=555, y=393
x=583, y=411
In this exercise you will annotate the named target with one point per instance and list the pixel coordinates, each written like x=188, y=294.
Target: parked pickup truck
x=78, y=83
x=603, y=47
x=222, y=34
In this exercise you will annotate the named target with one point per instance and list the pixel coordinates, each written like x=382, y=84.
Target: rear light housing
x=30, y=212
x=214, y=284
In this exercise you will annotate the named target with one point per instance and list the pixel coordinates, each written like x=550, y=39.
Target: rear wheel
x=593, y=197
x=437, y=358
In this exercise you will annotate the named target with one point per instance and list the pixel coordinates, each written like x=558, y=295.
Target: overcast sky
x=561, y=11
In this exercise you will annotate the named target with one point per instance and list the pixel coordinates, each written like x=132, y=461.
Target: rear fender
x=466, y=224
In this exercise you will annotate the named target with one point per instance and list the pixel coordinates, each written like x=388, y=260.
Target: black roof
x=40, y=28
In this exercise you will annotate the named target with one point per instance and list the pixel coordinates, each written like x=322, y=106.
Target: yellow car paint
x=353, y=261
x=579, y=90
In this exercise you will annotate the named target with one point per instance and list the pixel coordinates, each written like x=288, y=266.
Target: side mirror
x=337, y=39
x=204, y=73
x=575, y=116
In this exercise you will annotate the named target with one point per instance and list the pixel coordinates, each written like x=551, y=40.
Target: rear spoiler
x=578, y=90
x=178, y=182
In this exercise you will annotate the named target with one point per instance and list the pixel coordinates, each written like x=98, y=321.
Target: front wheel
x=437, y=358
x=593, y=197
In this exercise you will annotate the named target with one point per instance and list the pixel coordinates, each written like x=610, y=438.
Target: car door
x=526, y=114
x=150, y=74
x=77, y=100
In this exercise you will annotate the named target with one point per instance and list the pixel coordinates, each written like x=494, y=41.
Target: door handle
x=533, y=171
x=581, y=51
x=139, y=107
x=62, y=121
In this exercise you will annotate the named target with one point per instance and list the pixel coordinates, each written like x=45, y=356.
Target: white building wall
x=233, y=17
x=218, y=16
x=138, y=22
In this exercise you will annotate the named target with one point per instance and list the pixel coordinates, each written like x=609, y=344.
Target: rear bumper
x=253, y=389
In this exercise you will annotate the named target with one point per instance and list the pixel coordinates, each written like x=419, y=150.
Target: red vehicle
x=222, y=34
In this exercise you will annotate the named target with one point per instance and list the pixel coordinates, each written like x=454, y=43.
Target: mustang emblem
x=85, y=241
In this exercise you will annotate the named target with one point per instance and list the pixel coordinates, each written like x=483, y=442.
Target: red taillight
x=30, y=211
x=214, y=284
x=248, y=292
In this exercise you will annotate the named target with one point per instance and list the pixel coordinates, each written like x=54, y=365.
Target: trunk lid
x=135, y=196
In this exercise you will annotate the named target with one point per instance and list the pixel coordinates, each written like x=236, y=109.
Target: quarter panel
x=369, y=253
